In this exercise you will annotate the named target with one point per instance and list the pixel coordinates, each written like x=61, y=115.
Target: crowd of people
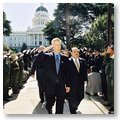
x=62, y=74
x=15, y=73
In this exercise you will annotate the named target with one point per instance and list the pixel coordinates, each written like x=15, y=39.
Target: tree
x=81, y=16
x=58, y=27
x=24, y=47
x=6, y=26
x=96, y=37
x=50, y=32
x=68, y=25
x=109, y=36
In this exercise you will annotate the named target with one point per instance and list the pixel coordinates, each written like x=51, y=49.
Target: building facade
x=33, y=36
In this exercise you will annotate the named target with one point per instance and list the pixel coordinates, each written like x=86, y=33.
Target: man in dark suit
x=110, y=77
x=77, y=76
x=56, y=82
x=40, y=73
x=97, y=60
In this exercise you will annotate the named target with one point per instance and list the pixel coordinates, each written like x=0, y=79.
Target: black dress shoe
x=111, y=111
x=42, y=101
x=74, y=112
x=49, y=111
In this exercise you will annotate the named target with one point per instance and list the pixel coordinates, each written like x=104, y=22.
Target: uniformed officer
x=14, y=73
x=6, y=77
x=21, y=66
x=110, y=77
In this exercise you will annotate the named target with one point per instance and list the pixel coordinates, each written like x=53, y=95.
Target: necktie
x=77, y=65
x=57, y=63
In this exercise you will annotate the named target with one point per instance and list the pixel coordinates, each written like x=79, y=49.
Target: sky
x=21, y=14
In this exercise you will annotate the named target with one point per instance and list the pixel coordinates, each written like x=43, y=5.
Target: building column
x=42, y=39
x=29, y=40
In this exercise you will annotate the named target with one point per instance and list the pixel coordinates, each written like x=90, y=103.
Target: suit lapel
x=73, y=64
x=53, y=63
x=80, y=62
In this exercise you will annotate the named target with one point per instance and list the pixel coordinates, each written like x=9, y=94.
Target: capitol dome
x=41, y=17
x=41, y=8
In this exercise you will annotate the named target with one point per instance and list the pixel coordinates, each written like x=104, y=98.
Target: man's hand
x=85, y=83
x=67, y=89
x=47, y=48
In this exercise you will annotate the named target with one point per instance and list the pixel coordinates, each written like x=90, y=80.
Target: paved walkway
x=27, y=102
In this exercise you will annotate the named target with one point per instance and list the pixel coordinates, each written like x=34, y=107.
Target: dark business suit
x=77, y=79
x=54, y=84
x=97, y=61
x=40, y=74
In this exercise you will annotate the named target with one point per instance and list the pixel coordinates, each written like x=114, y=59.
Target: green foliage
x=50, y=31
x=24, y=47
x=83, y=17
x=57, y=28
x=96, y=38
x=6, y=26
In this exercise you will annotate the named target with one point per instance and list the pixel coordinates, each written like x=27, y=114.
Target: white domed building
x=32, y=37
